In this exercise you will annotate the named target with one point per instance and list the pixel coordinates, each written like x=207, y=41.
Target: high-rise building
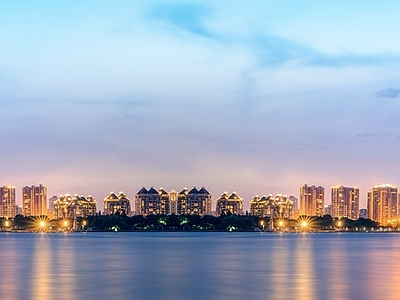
x=50, y=209
x=345, y=202
x=7, y=201
x=382, y=204
x=232, y=203
x=312, y=200
x=34, y=200
x=328, y=210
x=295, y=201
x=18, y=209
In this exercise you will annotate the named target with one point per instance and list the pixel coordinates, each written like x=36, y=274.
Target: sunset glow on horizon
x=260, y=97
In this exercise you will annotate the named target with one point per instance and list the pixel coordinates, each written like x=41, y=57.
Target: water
x=168, y=265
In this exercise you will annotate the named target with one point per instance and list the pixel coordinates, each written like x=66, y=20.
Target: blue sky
x=258, y=97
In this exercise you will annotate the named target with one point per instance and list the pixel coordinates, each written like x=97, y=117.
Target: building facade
x=114, y=204
x=345, y=202
x=280, y=206
x=382, y=204
x=232, y=203
x=295, y=201
x=50, y=209
x=67, y=206
x=34, y=200
x=194, y=201
x=312, y=200
x=7, y=201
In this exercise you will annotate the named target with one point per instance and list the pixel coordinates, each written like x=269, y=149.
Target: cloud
x=372, y=135
x=188, y=16
x=389, y=93
x=275, y=50
x=270, y=50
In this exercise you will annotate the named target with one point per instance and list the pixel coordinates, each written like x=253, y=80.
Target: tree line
x=226, y=222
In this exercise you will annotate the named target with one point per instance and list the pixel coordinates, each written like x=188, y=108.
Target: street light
x=339, y=224
x=83, y=224
x=65, y=224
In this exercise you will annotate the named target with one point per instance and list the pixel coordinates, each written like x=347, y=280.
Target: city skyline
x=256, y=97
x=318, y=197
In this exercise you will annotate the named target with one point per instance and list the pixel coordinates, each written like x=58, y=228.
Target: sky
x=257, y=97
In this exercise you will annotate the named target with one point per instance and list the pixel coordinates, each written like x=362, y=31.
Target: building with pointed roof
x=279, y=206
x=148, y=202
x=161, y=202
x=198, y=202
x=66, y=206
x=114, y=203
x=232, y=203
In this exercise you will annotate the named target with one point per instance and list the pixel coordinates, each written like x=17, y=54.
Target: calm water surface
x=171, y=265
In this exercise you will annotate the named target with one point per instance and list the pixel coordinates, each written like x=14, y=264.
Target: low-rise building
x=114, y=204
x=67, y=206
x=232, y=203
x=151, y=201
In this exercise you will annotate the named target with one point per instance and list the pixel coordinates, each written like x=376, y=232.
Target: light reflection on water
x=200, y=266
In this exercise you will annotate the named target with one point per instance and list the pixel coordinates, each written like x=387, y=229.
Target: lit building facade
x=312, y=200
x=50, y=209
x=382, y=204
x=34, y=200
x=345, y=202
x=328, y=210
x=151, y=201
x=198, y=202
x=114, y=203
x=279, y=206
x=148, y=202
x=67, y=206
x=232, y=203
x=173, y=202
x=7, y=201
x=295, y=201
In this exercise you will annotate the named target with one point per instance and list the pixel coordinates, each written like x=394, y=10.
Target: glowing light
x=7, y=223
x=280, y=223
x=339, y=223
x=305, y=224
x=65, y=223
x=40, y=224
